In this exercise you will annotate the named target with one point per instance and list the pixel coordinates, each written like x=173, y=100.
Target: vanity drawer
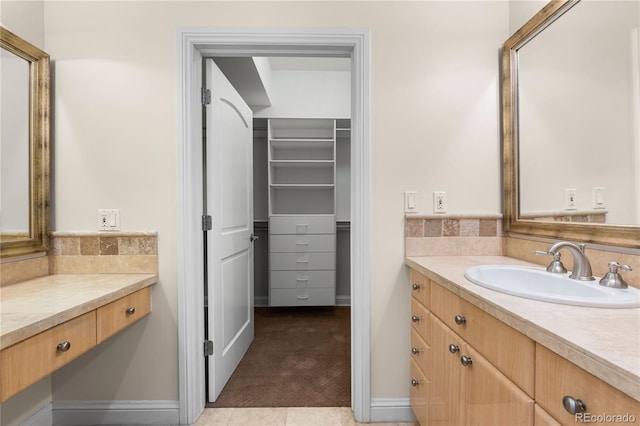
x=557, y=377
x=302, y=243
x=122, y=313
x=301, y=225
x=510, y=351
x=30, y=360
x=420, y=352
x=302, y=297
x=420, y=319
x=302, y=279
x=302, y=261
x=420, y=288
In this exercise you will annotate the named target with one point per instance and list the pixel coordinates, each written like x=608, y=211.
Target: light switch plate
x=108, y=219
x=410, y=202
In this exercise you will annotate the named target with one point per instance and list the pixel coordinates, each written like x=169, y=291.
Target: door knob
x=573, y=406
x=453, y=348
x=253, y=238
x=465, y=360
x=415, y=318
x=459, y=319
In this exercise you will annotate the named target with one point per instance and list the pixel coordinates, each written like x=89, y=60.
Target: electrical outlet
x=108, y=219
x=570, y=199
x=410, y=201
x=439, y=202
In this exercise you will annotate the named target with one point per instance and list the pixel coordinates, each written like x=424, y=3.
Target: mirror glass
x=24, y=147
x=14, y=146
x=578, y=97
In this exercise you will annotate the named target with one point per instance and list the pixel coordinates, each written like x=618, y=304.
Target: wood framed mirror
x=24, y=148
x=517, y=158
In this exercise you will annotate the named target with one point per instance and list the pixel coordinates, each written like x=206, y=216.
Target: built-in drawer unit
x=302, y=260
x=32, y=359
x=122, y=313
x=420, y=319
x=510, y=351
x=562, y=386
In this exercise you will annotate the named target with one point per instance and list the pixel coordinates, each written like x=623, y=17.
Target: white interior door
x=229, y=201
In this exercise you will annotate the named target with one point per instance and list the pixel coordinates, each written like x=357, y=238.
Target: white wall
x=434, y=110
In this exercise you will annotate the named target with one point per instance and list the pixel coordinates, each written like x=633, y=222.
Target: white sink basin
x=538, y=284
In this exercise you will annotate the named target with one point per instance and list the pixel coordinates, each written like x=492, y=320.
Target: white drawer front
x=306, y=297
x=302, y=261
x=301, y=225
x=302, y=279
x=302, y=243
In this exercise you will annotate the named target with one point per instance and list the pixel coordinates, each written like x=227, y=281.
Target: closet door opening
x=301, y=354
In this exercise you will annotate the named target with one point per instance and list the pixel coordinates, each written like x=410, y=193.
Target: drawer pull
x=302, y=297
x=303, y=243
x=415, y=286
x=459, y=319
x=465, y=360
x=414, y=382
x=454, y=348
x=302, y=261
x=64, y=346
x=130, y=310
x=302, y=279
x=573, y=406
x=415, y=318
x=415, y=351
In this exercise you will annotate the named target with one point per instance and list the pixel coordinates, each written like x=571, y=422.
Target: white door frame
x=192, y=45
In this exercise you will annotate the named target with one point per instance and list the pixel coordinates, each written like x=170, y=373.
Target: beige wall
x=434, y=126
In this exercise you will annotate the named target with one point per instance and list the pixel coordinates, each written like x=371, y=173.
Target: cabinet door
x=446, y=407
x=556, y=378
x=419, y=394
x=491, y=398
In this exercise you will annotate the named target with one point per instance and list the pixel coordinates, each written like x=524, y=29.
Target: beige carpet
x=300, y=357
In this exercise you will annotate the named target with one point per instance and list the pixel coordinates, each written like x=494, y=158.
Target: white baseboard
x=391, y=410
x=83, y=413
x=42, y=417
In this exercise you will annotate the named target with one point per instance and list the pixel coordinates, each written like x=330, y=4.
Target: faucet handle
x=613, y=278
x=556, y=266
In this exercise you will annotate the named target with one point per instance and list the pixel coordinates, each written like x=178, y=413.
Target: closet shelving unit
x=302, y=221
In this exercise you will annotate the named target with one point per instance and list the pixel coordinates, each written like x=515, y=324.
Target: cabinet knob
x=415, y=351
x=64, y=346
x=573, y=406
x=459, y=319
x=414, y=382
x=465, y=360
x=415, y=286
x=454, y=348
x=130, y=310
x=415, y=318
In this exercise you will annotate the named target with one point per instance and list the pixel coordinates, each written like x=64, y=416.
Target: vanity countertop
x=604, y=342
x=32, y=306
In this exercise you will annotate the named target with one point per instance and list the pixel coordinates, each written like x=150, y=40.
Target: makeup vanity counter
x=48, y=321
x=604, y=342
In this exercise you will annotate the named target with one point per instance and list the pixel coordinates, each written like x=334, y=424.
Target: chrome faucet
x=581, y=266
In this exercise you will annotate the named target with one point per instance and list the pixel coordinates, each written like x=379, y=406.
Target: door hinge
x=207, y=223
x=206, y=96
x=208, y=347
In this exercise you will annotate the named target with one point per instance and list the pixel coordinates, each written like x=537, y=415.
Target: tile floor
x=298, y=416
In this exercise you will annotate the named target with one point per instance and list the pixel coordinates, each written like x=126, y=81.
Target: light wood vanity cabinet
x=34, y=358
x=511, y=380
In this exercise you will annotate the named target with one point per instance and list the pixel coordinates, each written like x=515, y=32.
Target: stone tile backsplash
x=450, y=235
x=74, y=253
